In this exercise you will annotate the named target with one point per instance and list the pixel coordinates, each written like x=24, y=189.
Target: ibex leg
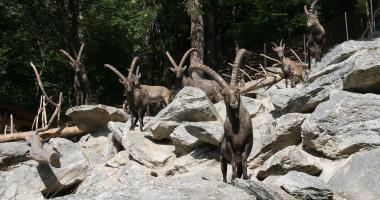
x=141, y=114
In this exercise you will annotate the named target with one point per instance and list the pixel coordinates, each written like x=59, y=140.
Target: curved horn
x=312, y=9
x=132, y=67
x=306, y=11
x=80, y=52
x=274, y=44
x=112, y=68
x=184, y=57
x=281, y=43
x=213, y=74
x=235, y=68
x=171, y=59
x=137, y=70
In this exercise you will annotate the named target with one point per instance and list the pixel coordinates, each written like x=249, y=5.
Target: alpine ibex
x=137, y=97
x=317, y=33
x=211, y=88
x=236, y=143
x=292, y=70
x=156, y=93
x=81, y=82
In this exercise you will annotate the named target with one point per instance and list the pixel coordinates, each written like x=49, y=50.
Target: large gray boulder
x=343, y=125
x=191, y=105
x=253, y=107
x=357, y=177
x=281, y=96
x=183, y=141
x=346, y=49
x=272, y=135
x=13, y=153
x=337, y=76
x=29, y=180
x=302, y=186
x=91, y=117
x=145, y=151
x=291, y=158
x=129, y=183
x=260, y=190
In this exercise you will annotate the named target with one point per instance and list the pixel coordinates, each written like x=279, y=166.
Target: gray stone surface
x=291, y=158
x=91, y=117
x=253, y=107
x=281, y=96
x=190, y=104
x=272, y=135
x=343, y=125
x=13, y=153
x=337, y=76
x=28, y=180
x=260, y=190
x=145, y=151
x=183, y=141
x=302, y=186
x=357, y=177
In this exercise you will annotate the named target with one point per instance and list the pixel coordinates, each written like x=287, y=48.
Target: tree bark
x=197, y=36
x=259, y=83
x=66, y=132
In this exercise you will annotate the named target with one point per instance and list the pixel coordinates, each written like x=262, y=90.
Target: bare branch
x=262, y=82
x=41, y=86
x=263, y=69
x=299, y=59
x=270, y=58
x=246, y=74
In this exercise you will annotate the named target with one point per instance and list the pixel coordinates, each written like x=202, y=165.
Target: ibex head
x=280, y=50
x=231, y=92
x=130, y=81
x=312, y=15
x=179, y=70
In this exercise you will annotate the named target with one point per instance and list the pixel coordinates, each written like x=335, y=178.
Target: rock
x=145, y=151
x=206, y=132
x=121, y=159
x=281, y=97
x=98, y=147
x=272, y=135
x=13, y=153
x=117, y=130
x=288, y=159
x=322, y=81
x=253, y=107
x=346, y=49
x=302, y=186
x=130, y=184
x=91, y=117
x=29, y=180
x=259, y=190
x=183, y=141
x=343, y=125
x=191, y=104
x=356, y=177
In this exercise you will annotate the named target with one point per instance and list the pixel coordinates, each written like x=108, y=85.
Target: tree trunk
x=197, y=36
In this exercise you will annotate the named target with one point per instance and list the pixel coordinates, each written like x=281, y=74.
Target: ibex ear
x=121, y=81
x=184, y=68
x=274, y=49
x=173, y=70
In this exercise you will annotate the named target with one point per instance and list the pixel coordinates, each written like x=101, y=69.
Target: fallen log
x=43, y=153
x=259, y=83
x=65, y=132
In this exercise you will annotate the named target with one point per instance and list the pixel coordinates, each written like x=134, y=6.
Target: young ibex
x=292, y=70
x=137, y=97
x=317, y=33
x=156, y=94
x=236, y=142
x=211, y=88
x=81, y=82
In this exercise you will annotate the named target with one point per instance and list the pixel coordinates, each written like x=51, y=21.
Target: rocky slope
x=319, y=140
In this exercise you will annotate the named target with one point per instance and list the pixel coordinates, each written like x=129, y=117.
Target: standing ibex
x=137, y=97
x=292, y=70
x=317, y=33
x=236, y=142
x=157, y=94
x=81, y=81
x=211, y=88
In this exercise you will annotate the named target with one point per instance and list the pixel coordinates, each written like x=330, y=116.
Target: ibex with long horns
x=211, y=88
x=236, y=143
x=137, y=97
x=81, y=82
x=317, y=33
x=292, y=70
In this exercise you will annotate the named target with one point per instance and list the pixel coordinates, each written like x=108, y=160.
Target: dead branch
x=259, y=83
x=270, y=58
x=299, y=59
x=263, y=69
